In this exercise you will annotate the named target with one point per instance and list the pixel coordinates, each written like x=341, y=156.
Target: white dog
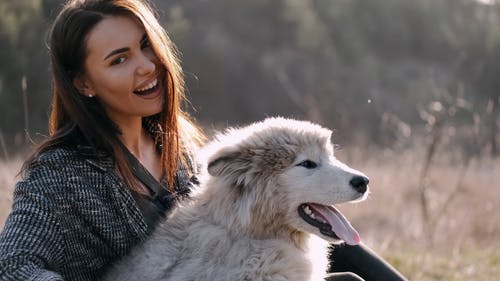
x=267, y=198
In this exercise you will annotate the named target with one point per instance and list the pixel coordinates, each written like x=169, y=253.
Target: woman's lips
x=151, y=85
x=150, y=91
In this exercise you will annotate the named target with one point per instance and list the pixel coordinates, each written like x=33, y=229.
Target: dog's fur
x=243, y=222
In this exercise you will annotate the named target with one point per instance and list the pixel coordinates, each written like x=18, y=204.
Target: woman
x=117, y=158
x=118, y=87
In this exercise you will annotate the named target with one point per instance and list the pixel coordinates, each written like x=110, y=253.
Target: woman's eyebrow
x=117, y=51
x=126, y=49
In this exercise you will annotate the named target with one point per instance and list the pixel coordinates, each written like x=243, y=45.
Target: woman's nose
x=146, y=64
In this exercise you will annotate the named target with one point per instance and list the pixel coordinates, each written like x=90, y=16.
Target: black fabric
x=156, y=205
x=151, y=212
x=345, y=276
x=363, y=262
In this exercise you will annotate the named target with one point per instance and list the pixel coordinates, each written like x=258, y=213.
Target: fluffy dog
x=264, y=210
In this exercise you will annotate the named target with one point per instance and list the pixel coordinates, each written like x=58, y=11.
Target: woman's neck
x=142, y=146
x=134, y=137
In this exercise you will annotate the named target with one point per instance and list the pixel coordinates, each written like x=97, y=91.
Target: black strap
x=160, y=195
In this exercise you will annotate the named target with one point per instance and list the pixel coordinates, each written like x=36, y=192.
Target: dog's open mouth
x=329, y=221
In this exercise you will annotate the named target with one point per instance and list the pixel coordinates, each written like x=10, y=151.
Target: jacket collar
x=96, y=158
x=122, y=196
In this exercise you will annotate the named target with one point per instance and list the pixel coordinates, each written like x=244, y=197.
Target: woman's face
x=121, y=70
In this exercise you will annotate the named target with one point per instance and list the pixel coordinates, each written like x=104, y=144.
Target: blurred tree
x=478, y=60
x=23, y=56
x=362, y=67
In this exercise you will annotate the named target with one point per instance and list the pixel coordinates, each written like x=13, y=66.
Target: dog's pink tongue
x=340, y=225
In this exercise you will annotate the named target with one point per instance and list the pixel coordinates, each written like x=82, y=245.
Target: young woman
x=116, y=111
x=118, y=155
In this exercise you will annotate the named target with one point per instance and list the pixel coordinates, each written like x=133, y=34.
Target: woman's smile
x=150, y=91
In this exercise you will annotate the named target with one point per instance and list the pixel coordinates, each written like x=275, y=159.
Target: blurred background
x=410, y=87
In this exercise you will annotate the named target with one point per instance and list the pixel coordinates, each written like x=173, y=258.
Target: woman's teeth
x=148, y=87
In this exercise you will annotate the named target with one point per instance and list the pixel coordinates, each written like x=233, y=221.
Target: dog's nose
x=359, y=183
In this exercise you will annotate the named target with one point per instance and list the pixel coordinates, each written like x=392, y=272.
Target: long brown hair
x=74, y=114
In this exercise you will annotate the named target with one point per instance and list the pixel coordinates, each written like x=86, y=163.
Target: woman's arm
x=31, y=245
x=362, y=261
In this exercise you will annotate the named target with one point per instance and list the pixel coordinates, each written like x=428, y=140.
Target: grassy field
x=8, y=177
x=461, y=239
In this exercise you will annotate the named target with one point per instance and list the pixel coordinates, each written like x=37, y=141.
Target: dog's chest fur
x=216, y=254
x=199, y=243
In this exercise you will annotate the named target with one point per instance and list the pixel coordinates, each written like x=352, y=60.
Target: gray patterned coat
x=72, y=216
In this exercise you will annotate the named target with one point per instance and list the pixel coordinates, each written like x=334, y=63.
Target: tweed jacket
x=72, y=216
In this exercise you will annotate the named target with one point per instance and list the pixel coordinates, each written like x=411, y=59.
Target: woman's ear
x=83, y=86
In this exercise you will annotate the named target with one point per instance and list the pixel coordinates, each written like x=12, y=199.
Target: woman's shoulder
x=57, y=155
x=63, y=160
x=62, y=171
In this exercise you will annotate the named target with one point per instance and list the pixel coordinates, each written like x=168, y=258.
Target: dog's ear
x=221, y=163
x=231, y=164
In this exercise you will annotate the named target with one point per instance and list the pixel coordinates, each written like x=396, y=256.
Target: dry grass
x=463, y=244
x=8, y=176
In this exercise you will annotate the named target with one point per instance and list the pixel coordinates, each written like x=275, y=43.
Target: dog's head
x=282, y=174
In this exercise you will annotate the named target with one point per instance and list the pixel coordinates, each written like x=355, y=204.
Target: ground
x=461, y=240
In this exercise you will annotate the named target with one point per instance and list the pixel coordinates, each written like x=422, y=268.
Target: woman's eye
x=118, y=60
x=308, y=164
x=145, y=44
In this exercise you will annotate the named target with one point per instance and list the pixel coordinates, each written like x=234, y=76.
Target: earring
x=90, y=96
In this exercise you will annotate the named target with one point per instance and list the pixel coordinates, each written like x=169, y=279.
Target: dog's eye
x=308, y=164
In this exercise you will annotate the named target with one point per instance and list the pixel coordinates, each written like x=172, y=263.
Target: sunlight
x=487, y=2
